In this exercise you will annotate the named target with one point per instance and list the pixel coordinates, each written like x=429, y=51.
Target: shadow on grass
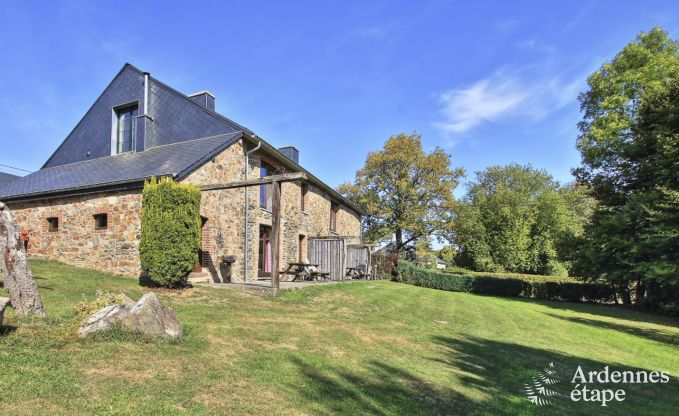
x=500, y=370
x=484, y=377
x=650, y=334
x=8, y=329
x=620, y=312
x=379, y=389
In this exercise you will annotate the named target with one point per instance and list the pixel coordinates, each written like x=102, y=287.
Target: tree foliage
x=517, y=219
x=629, y=143
x=170, y=231
x=404, y=190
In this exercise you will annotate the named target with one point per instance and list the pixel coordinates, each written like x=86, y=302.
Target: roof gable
x=173, y=117
x=93, y=132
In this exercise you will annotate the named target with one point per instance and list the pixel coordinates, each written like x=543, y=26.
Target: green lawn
x=360, y=348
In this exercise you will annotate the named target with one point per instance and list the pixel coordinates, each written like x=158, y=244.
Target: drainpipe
x=247, y=209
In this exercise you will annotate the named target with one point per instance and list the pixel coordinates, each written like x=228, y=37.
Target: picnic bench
x=305, y=271
x=356, y=272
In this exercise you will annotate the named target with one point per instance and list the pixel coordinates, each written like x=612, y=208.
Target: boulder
x=4, y=302
x=127, y=301
x=148, y=316
x=153, y=318
x=104, y=319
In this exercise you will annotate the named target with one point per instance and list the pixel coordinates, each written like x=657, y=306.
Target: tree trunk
x=639, y=293
x=399, y=240
x=624, y=294
x=18, y=279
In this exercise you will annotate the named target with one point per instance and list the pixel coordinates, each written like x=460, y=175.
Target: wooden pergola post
x=275, y=235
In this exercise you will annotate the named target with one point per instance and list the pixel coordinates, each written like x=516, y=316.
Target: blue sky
x=490, y=82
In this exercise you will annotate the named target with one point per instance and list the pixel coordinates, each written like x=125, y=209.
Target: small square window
x=100, y=221
x=53, y=224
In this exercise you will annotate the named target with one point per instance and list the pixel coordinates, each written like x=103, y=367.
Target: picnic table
x=355, y=273
x=303, y=270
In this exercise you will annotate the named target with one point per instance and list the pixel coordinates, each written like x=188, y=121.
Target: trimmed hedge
x=170, y=231
x=514, y=285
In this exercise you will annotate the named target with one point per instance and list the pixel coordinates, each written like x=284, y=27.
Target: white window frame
x=114, y=125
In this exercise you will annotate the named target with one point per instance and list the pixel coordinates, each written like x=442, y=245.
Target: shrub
x=556, y=268
x=489, y=285
x=170, y=231
x=597, y=292
x=102, y=300
x=505, y=284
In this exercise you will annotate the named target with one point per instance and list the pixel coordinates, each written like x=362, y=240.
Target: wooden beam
x=285, y=177
x=275, y=234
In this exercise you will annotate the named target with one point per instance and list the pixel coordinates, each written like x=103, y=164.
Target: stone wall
x=77, y=242
x=225, y=213
x=116, y=248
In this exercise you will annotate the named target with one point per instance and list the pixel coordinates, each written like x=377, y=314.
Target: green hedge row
x=539, y=288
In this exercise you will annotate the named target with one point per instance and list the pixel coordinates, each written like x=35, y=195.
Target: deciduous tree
x=516, y=219
x=629, y=141
x=404, y=190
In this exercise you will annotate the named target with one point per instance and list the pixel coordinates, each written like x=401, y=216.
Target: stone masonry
x=116, y=248
x=77, y=242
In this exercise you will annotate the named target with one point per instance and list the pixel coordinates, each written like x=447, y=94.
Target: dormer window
x=124, y=128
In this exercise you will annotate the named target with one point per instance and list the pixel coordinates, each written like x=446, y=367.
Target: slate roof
x=177, y=160
x=186, y=135
x=7, y=177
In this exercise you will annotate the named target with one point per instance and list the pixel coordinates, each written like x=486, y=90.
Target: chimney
x=290, y=152
x=204, y=98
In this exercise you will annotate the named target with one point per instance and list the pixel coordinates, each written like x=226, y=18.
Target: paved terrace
x=264, y=286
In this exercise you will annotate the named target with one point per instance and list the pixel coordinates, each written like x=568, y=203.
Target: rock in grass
x=3, y=304
x=148, y=316
x=127, y=301
x=104, y=319
x=153, y=318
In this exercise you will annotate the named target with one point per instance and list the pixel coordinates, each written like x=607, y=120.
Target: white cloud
x=486, y=100
x=501, y=97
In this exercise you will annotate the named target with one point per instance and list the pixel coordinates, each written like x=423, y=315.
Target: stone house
x=83, y=206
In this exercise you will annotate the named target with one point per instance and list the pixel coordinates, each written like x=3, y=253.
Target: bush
x=556, y=268
x=102, y=300
x=489, y=285
x=596, y=292
x=504, y=284
x=170, y=231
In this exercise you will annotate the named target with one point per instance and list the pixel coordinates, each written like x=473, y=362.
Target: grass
x=361, y=348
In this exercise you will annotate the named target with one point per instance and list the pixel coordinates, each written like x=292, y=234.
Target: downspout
x=247, y=209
